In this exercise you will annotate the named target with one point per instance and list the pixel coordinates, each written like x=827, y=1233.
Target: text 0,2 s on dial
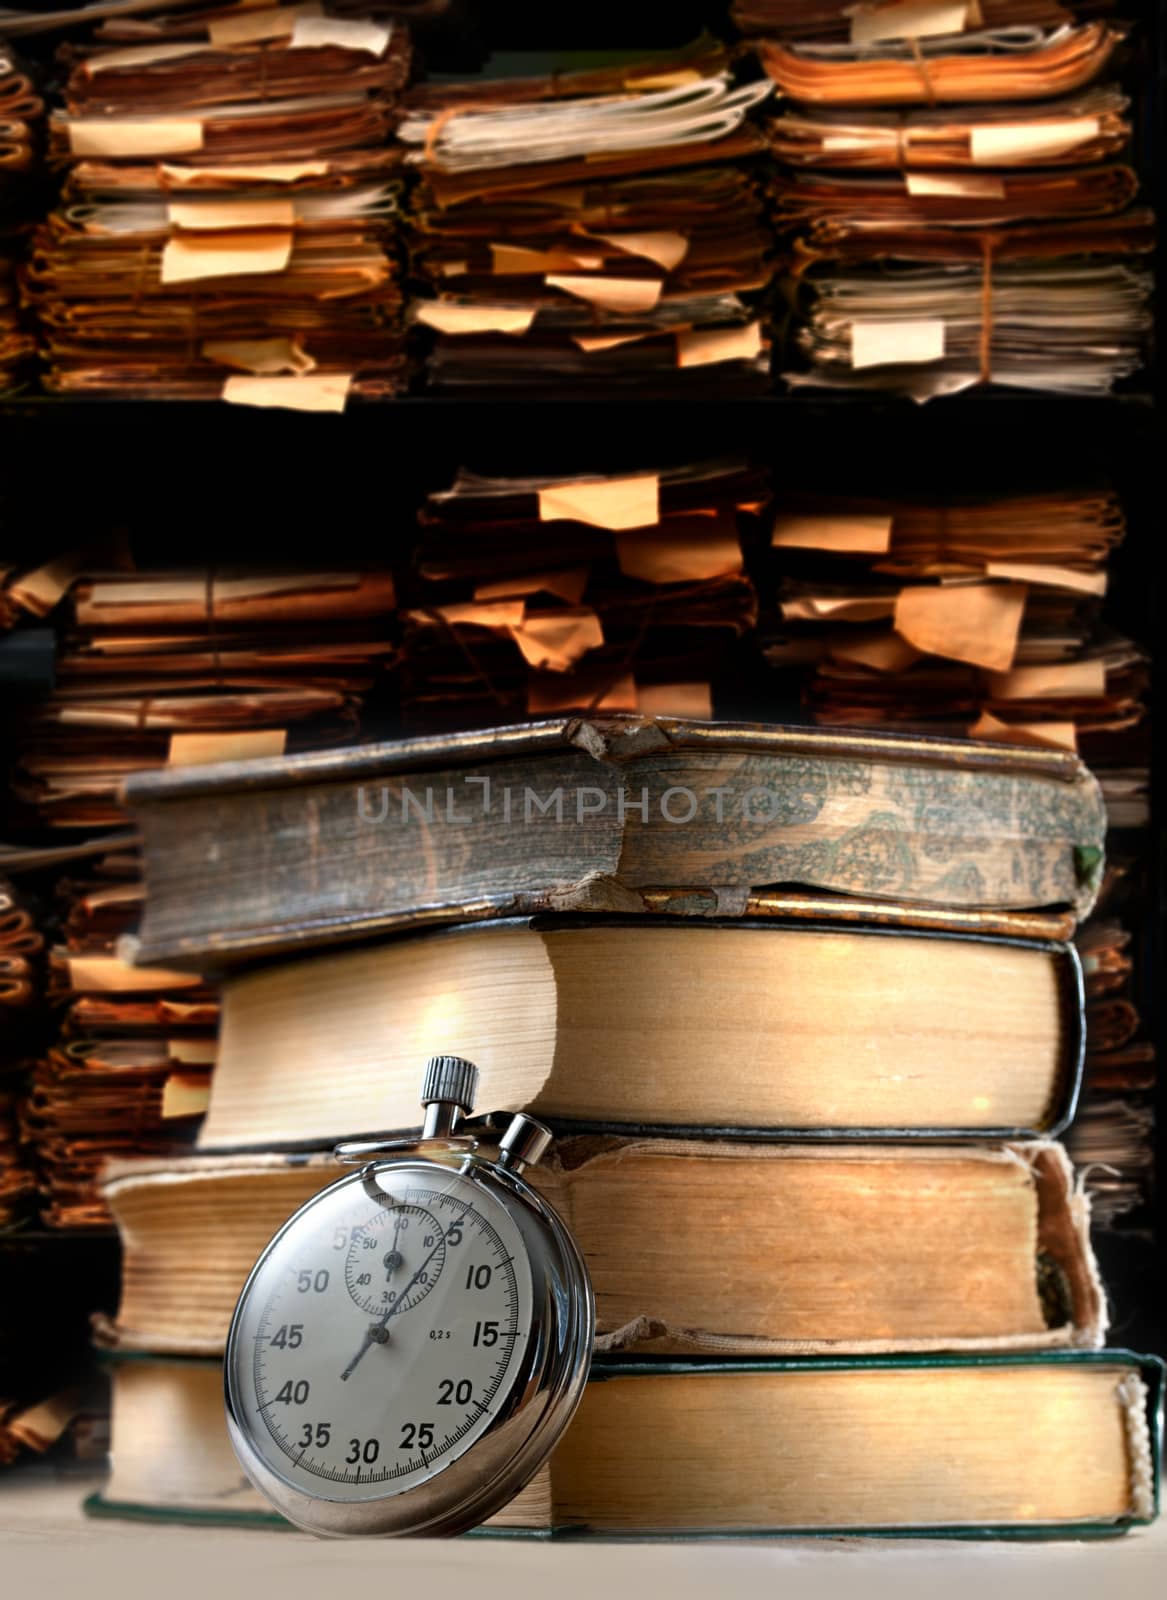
x=410, y=1346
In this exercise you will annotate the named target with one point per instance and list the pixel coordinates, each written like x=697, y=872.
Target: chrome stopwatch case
x=412, y=1343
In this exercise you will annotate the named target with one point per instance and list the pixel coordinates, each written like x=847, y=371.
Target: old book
x=915, y=1246
x=1058, y=1444
x=624, y=814
x=170, y=1456
x=817, y=1030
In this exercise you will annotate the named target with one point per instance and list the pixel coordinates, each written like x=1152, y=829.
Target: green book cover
x=613, y=1371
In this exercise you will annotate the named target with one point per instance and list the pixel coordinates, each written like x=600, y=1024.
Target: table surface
x=48, y=1548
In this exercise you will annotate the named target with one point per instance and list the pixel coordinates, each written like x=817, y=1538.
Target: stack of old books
x=953, y=198
x=227, y=221
x=160, y=668
x=538, y=595
x=806, y=1041
x=21, y=116
x=590, y=228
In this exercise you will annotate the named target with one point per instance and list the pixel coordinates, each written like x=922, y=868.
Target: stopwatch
x=412, y=1343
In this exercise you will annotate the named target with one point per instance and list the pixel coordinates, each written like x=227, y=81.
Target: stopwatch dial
x=394, y=1258
x=356, y=1391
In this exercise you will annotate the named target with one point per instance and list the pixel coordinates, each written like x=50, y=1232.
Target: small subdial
x=398, y=1254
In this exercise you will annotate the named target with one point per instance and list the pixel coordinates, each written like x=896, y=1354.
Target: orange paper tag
x=189, y=258
x=449, y=318
x=858, y=532
x=1051, y=680
x=552, y=641
x=705, y=347
x=974, y=622
x=314, y=391
x=610, y=294
x=1045, y=735
x=615, y=503
x=203, y=749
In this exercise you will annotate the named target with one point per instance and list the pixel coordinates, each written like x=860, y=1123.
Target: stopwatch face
x=380, y=1332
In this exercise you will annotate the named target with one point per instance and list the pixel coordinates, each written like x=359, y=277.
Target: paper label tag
x=251, y=26
x=189, y=257
x=589, y=343
x=974, y=622
x=216, y=216
x=185, y=1095
x=320, y=391
x=665, y=248
x=611, y=294
x=448, y=318
x=122, y=136
x=680, y=78
x=858, y=532
x=1051, y=680
x=910, y=19
x=203, y=749
x=705, y=347
x=497, y=616
x=1052, y=577
x=553, y=641
x=317, y=33
x=614, y=503
x=895, y=344
x=261, y=172
x=1044, y=735
x=1029, y=141
x=265, y=357
x=957, y=185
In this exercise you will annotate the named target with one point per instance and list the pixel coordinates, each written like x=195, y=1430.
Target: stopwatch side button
x=448, y=1092
x=524, y=1143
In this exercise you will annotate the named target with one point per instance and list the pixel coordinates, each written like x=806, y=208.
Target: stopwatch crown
x=450, y=1080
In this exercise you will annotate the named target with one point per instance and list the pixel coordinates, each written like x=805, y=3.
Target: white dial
x=381, y=1330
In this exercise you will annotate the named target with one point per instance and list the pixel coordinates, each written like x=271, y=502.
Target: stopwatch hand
x=379, y=1333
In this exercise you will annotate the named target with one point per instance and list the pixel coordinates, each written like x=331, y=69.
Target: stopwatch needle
x=378, y=1333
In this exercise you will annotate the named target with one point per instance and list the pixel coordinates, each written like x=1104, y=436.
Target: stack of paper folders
x=227, y=220
x=952, y=209
x=21, y=115
x=538, y=595
x=591, y=228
